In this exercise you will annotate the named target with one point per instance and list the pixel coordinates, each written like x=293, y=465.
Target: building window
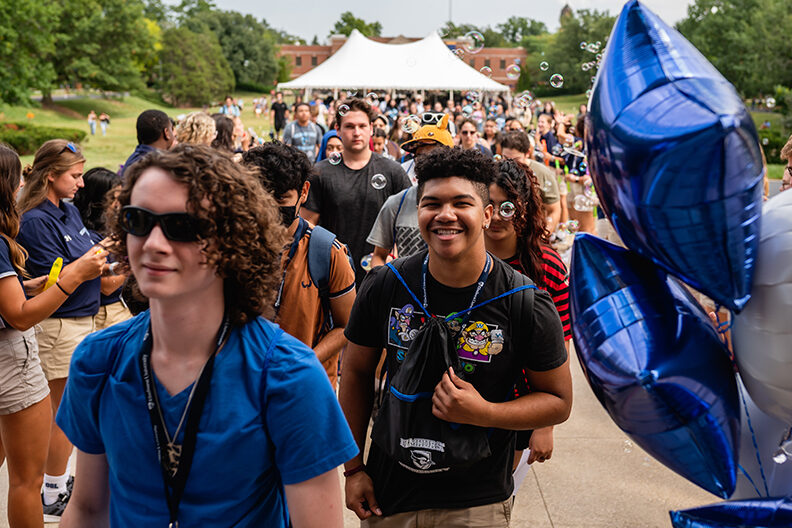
x=313, y=60
x=503, y=64
x=486, y=62
x=298, y=61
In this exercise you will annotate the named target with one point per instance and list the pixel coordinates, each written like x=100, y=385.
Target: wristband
x=354, y=470
x=57, y=283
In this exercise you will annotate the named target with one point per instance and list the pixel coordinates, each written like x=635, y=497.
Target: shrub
x=26, y=138
x=772, y=140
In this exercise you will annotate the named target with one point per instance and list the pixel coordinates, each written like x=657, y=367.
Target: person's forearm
x=532, y=411
x=356, y=397
x=112, y=283
x=379, y=257
x=330, y=345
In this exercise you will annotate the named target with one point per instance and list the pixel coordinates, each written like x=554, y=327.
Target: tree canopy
x=348, y=22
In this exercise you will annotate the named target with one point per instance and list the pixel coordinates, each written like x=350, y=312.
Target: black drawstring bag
x=405, y=428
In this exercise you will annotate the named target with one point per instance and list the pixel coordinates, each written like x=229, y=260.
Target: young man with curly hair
x=196, y=411
x=456, y=272
x=300, y=309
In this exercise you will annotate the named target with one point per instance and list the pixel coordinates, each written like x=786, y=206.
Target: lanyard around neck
x=479, y=284
x=176, y=460
x=302, y=227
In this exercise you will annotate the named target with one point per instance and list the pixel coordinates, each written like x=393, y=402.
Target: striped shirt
x=555, y=282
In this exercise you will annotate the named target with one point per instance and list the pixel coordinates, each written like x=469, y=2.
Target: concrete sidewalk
x=597, y=478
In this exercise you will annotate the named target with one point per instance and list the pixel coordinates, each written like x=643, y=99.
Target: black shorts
x=279, y=125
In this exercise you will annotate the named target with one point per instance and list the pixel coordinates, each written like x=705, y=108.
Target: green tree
x=493, y=38
x=516, y=29
x=348, y=22
x=26, y=38
x=97, y=44
x=195, y=71
x=247, y=44
x=744, y=40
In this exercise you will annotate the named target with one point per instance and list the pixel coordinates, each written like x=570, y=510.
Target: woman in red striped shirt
x=517, y=235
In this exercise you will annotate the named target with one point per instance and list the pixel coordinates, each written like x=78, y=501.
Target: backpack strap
x=320, y=252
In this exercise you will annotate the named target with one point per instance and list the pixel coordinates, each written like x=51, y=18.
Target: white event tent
x=426, y=64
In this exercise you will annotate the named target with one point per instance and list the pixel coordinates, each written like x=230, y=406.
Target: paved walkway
x=596, y=479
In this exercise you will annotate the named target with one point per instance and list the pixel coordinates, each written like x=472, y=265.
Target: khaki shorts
x=22, y=382
x=57, y=340
x=111, y=314
x=496, y=515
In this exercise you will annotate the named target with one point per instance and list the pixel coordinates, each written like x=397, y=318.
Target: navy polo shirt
x=48, y=232
x=7, y=270
x=140, y=151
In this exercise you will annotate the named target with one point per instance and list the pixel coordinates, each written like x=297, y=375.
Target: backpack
x=320, y=248
x=405, y=428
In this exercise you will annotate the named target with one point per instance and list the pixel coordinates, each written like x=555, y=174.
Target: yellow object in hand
x=54, y=273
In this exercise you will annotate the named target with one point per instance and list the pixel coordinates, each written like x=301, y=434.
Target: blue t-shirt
x=48, y=232
x=7, y=269
x=270, y=419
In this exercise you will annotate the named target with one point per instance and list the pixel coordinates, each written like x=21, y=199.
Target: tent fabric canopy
x=426, y=64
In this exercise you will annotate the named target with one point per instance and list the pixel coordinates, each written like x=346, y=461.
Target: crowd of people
x=215, y=326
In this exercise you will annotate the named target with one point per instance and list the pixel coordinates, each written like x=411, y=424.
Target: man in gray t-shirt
x=302, y=133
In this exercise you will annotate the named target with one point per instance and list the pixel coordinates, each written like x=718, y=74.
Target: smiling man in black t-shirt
x=493, y=347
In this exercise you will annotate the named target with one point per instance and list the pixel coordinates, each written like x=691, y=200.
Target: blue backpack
x=320, y=248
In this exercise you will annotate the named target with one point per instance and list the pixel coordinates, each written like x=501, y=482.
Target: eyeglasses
x=178, y=227
x=70, y=146
x=431, y=118
x=467, y=132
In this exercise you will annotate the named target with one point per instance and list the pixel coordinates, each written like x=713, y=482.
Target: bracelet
x=354, y=470
x=57, y=283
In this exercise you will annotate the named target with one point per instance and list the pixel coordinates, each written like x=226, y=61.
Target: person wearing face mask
x=315, y=314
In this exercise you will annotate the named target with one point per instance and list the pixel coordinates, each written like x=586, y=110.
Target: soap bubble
x=557, y=149
x=770, y=102
x=334, y=158
x=507, y=210
x=411, y=124
x=543, y=66
x=513, y=72
x=497, y=157
x=628, y=445
x=473, y=96
x=590, y=192
x=572, y=226
x=459, y=52
x=583, y=167
x=343, y=109
x=583, y=203
x=585, y=66
x=378, y=181
x=765, y=141
x=588, y=94
x=365, y=262
x=486, y=70
x=351, y=94
x=557, y=80
x=372, y=98
x=474, y=41
x=467, y=110
x=583, y=45
x=591, y=48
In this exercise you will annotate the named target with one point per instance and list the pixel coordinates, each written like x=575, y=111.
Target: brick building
x=305, y=58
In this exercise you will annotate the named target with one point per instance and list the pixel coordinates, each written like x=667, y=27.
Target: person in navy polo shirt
x=154, y=132
x=52, y=229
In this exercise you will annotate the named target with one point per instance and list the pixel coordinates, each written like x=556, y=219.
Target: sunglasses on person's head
x=71, y=147
x=177, y=227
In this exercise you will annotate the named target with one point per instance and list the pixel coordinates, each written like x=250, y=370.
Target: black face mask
x=288, y=214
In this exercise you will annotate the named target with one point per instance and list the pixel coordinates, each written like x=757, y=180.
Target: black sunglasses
x=178, y=227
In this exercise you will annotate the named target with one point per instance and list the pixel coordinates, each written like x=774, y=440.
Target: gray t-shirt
x=548, y=182
x=305, y=138
x=403, y=222
x=348, y=201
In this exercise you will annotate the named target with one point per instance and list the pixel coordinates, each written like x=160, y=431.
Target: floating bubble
x=599, y=57
x=467, y=110
x=473, y=96
x=351, y=94
x=583, y=167
x=372, y=98
x=411, y=124
x=460, y=53
x=770, y=102
x=543, y=66
x=593, y=79
x=714, y=10
x=590, y=192
x=765, y=141
x=585, y=66
x=591, y=48
x=513, y=72
x=474, y=41
x=517, y=61
x=583, y=203
x=507, y=210
x=598, y=43
x=343, y=109
x=628, y=445
x=486, y=70
x=556, y=80
x=572, y=226
x=365, y=262
x=557, y=149
x=497, y=157
x=378, y=181
x=334, y=158
x=547, y=185
x=588, y=94
x=583, y=45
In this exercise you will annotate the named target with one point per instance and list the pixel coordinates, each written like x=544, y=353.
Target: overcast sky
x=417, y=18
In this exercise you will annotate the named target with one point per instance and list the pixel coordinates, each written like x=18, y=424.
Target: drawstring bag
x=405, y=428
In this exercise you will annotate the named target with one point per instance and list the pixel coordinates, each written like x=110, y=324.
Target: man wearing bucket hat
x=397, y=221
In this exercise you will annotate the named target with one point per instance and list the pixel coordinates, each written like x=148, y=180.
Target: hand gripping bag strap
x=320, y=252
x=406, y=429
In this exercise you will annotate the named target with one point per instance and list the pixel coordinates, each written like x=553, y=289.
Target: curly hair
x=471, y=165
x=354, y=105
x=279, y=167
x=242, y=236
x=197, y=128
x=54, y=157
x=522, y=189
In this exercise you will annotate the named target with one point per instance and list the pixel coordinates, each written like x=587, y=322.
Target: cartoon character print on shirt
x=403, y=326
x=477, y=342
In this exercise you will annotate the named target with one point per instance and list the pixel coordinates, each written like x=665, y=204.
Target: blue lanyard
x=302, y=227
x=479, y=285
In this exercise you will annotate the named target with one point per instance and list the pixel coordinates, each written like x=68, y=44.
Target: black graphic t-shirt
x=493, y=355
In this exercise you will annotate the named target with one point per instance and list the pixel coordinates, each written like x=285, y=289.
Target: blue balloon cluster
x=757, y=513
x=675, y=158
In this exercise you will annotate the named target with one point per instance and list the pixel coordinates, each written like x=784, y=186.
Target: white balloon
x=763, y=330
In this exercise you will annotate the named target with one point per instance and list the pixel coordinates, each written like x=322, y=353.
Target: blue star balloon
x=655, y=362
x=675, y=157
x=756, y=513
